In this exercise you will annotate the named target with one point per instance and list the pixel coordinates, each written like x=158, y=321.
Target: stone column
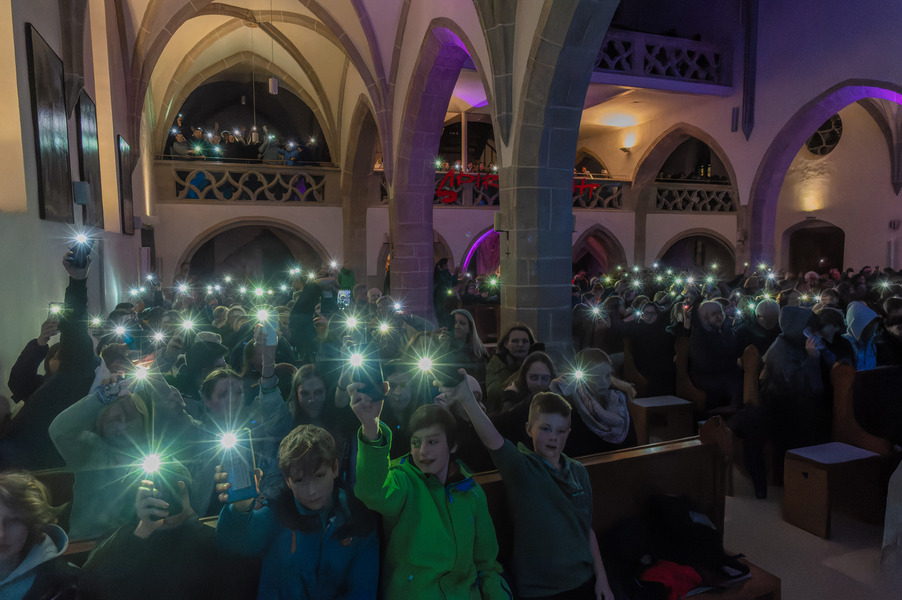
x=538, y=223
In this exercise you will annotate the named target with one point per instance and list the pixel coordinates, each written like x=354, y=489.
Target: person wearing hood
x=792, y=390
x=862, y=324
x=31, y=546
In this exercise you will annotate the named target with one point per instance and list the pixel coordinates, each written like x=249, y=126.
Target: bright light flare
x=151, y=463
x=141, y=373
x=262, y=315
x=356, y=360
x=383, y=327
x=425, y=364
x=579, y=374
x=55, y=309
x=159, y=336
x=120, y=330
x=228, y=440
x=352, y=323
x=96, y=321
x=187, y=324
x=259, y=291
x=183, y=288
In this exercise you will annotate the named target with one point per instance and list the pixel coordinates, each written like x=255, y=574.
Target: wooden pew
x=851, y=388
x=622, y=482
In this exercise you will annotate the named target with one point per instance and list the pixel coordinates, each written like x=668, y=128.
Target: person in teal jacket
x=317, y=541
x=440, y=538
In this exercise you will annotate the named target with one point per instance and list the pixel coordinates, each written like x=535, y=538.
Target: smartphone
x=80, y=252
x=54, y=310
x=167, y=486
x=239, y=463
x=344, y=299
x=271, y=331
x=447, y=375
x=369, y=373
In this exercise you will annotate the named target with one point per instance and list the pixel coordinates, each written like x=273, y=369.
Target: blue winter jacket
x=307, y=555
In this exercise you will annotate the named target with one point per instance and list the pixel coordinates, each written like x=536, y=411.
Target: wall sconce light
x=625, y=150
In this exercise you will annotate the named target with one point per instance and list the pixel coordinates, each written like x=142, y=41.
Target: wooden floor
x=846, y=566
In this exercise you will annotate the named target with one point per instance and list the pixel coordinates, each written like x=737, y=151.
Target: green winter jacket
x=441, y=540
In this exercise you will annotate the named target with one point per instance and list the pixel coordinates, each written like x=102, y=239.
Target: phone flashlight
x=162, y=484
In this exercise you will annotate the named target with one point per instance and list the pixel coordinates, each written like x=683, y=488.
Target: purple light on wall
x=475, y=245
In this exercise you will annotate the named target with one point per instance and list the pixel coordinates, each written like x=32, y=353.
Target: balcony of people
x=236, y=141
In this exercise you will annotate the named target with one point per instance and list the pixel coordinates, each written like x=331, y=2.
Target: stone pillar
x=410, y=213
x=535, y=275
x=463, y=141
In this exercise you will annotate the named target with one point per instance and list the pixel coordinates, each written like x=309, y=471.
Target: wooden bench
x=622, y=482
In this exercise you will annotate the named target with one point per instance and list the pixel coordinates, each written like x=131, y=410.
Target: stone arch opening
x=484, y=253
x=696, y=250
x=677, y=145
x=249, y=247
x=785, y=146
x=597, y=251
x=593, y=164
x=443, y=53
x=813, y=245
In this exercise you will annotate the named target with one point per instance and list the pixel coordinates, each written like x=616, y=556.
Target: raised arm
x=485, y=429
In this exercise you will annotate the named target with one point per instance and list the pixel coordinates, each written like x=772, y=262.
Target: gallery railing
x=202, y=181
x=649, y=55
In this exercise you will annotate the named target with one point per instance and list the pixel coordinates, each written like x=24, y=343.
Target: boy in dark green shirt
x=555, y=556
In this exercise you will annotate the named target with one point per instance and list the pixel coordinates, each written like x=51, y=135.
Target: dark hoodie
x=788, y=368
x=858, y=318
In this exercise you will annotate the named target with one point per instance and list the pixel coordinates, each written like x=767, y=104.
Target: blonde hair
x=21, y=492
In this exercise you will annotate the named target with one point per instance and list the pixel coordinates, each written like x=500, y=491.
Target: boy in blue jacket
x=316, y=540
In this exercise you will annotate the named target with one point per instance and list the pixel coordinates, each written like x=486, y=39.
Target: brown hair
x=549, y=403
x=311, y=445
x=433, y=414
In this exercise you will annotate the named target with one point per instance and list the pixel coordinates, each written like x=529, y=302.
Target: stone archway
x=598, y=251
x=696, y=250
x=762, y=209
x=813, y=245
x=443, y=52
x=300, y=245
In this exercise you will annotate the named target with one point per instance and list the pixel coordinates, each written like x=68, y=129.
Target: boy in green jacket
x=555, y=556
x=440, y=537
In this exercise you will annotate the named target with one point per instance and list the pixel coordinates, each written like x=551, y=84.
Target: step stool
x=661, y=418
x=817, y=478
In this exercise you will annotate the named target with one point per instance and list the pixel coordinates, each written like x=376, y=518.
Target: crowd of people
x=442, y=165
x=239, y=144
x=335, y=434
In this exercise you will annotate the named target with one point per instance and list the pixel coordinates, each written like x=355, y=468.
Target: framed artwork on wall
x=89, y=158
x=126, y=202
x=51, y=135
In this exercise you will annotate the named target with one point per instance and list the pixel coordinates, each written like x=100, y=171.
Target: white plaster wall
x=661, y=229
x=32, y=249
x=849, y=188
